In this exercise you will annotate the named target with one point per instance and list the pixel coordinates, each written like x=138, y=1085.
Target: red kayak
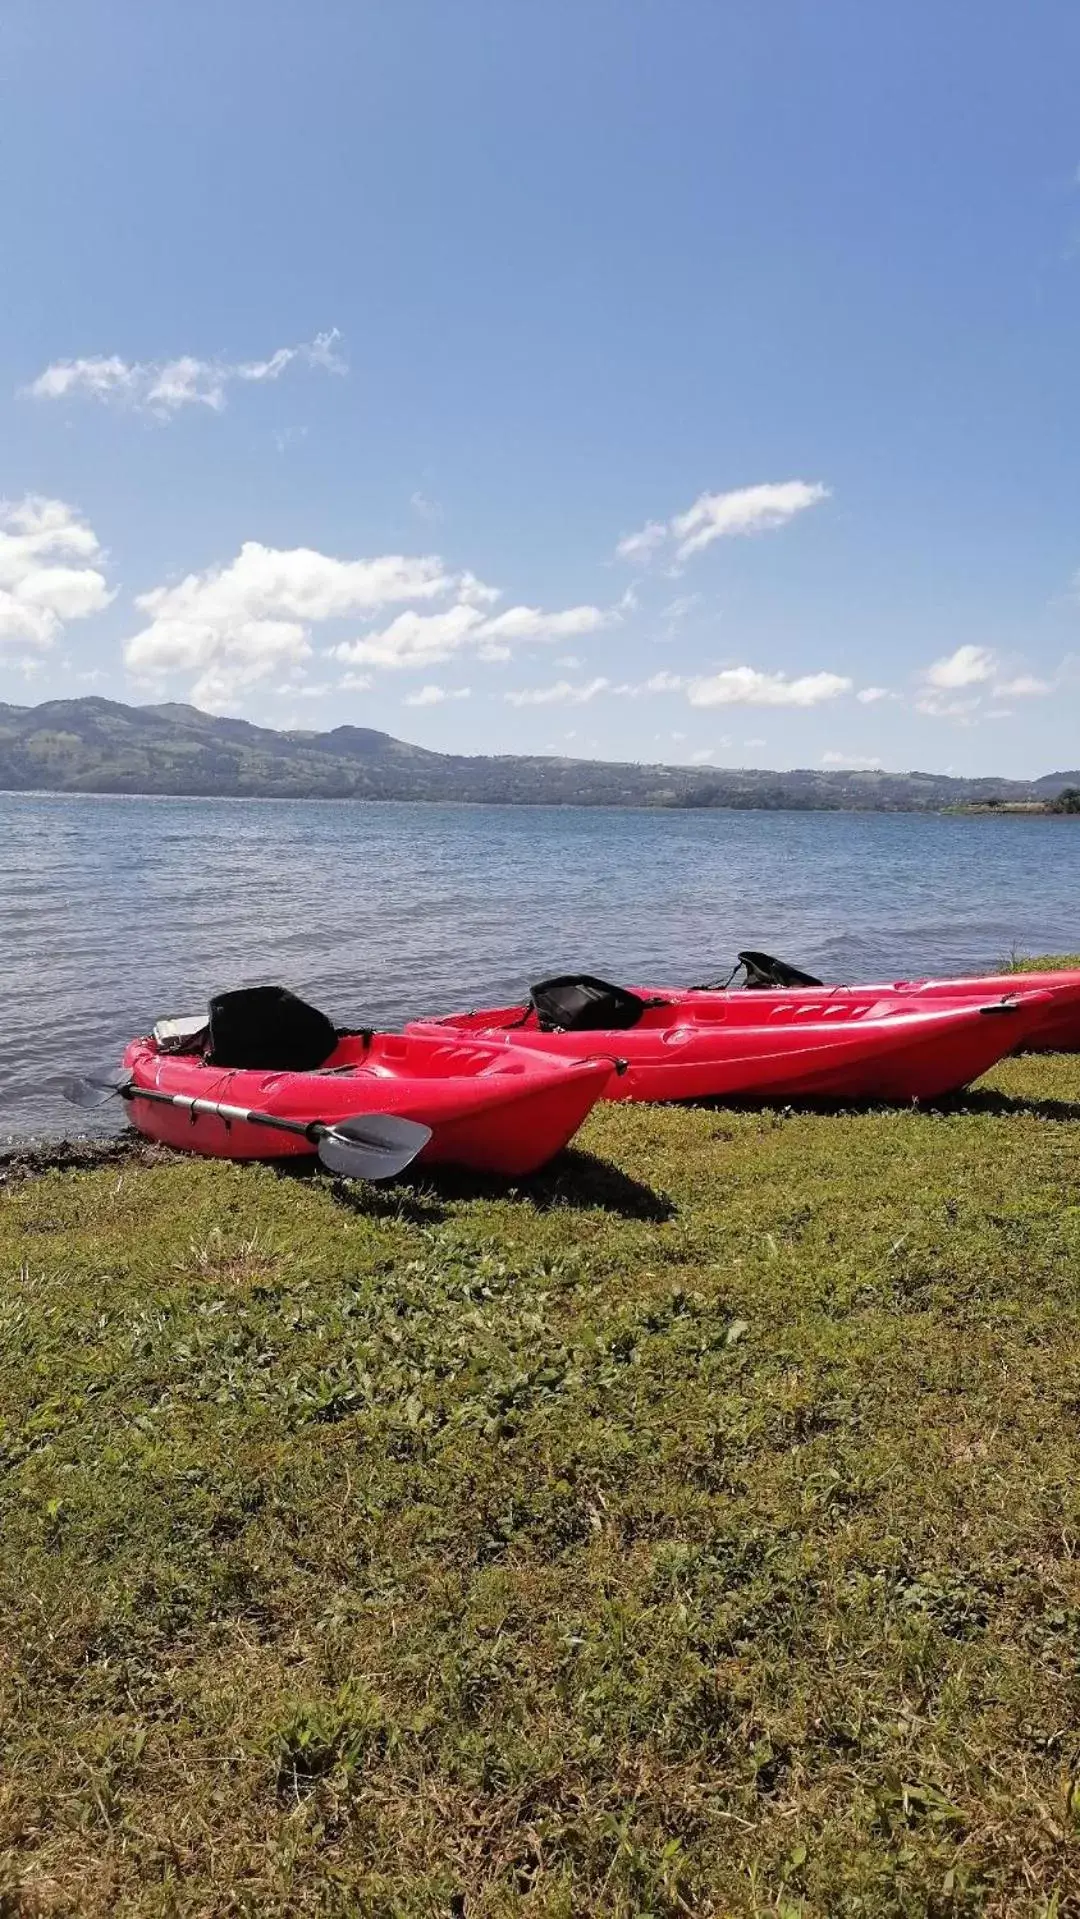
x=493, y=1109
x=1056, y=1031
x=856, y=1046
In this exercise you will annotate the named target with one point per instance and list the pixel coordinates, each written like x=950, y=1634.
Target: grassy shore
x=692, y=1531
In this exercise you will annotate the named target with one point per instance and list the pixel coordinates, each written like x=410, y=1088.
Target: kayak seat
x=580, y=1003
x=268, y=1029
x=764, y=970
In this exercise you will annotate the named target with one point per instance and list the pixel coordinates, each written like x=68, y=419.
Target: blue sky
x=344, y=346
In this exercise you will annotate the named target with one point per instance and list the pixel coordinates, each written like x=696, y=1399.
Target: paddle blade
x=372, y=1145
x=94, y=1089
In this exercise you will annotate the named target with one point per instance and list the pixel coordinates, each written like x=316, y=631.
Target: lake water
x=115, y=912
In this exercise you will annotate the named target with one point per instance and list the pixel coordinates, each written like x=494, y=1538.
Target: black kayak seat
x=581, y=1003
x=268, y=1029
x=762, y=970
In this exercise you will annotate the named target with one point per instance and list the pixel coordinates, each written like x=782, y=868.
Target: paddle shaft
x=219, y=1109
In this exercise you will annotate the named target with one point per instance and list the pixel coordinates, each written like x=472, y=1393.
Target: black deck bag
x=763, y=970
x=267, y=1029
x=578, y=1003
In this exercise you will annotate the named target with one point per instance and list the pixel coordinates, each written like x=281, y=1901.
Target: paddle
x=363, y=1146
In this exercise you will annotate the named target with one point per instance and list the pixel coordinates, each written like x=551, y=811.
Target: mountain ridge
x=96, y=745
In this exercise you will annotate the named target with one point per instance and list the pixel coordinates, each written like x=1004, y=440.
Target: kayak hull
x=490, y=1110
x=870, y=1050
x=1056, y=1030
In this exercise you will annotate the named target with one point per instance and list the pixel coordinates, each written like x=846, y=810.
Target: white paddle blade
x=94, y=1089
x=372, y=1145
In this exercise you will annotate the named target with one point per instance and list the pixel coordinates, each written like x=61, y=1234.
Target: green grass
x=1044, y=963
x=694, y=1531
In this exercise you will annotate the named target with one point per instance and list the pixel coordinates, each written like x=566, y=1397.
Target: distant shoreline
x=94, y=746
x=956, y=810
x=1015, y=809
x=835, y=809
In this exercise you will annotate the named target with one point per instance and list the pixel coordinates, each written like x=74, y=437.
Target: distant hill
x=100, y=746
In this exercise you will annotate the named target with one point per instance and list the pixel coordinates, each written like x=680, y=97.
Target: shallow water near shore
x=117, y=911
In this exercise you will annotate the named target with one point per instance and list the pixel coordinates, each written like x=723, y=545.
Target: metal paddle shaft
x=361, y=1146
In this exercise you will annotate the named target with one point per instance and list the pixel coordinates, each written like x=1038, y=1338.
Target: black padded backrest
x=578, y=1003
x=267, y=1029
x=763, y=970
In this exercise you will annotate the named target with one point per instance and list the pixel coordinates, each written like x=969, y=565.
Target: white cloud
x=311, y=690
x=414, y=639
x=869, y=695
x=966, y=673
x=683, y=605
x=39, y=589
x=424, y=508
x=1025, y=687
x=854, y=761
x=746, y=686
x=104, y=378
x=968, y=666
x=937, y=707
x=641, y=546
x=426, y=639
x=163, y=387
x=475, y=593
x=236, y=624
x=561, y=694
x=742, y=686
x=717, y=516
x=435, y=695
x=355, y=682
x=703, y=753
x=749, y=509
x=529, y=623
x=656, y=683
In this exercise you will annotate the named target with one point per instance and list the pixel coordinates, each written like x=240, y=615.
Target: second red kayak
x=864, y=1046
